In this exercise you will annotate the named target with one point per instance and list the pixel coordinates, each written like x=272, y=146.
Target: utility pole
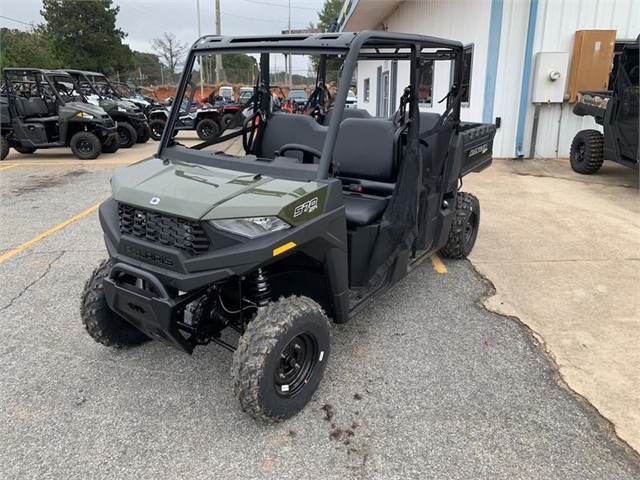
x=290, y=79
x=200, y=56
x=218, y=57
x=161, y=75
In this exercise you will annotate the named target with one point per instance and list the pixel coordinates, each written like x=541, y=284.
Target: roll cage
x=351, y=47
x=39, y=77
x=90, y=78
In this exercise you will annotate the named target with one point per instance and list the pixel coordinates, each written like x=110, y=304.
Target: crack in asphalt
x=575, y=180
x=25, y=289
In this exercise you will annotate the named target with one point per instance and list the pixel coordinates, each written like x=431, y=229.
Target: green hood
x=200, y=192
x=87, y=108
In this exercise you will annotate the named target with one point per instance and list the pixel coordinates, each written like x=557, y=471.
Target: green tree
x=28, y=48
x=326, y=16
x=148, y=65
x=83, y=34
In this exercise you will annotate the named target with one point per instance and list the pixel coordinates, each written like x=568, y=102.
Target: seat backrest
x=35, y=107
x=284, y=128
x=364, y=150
x=348, y=113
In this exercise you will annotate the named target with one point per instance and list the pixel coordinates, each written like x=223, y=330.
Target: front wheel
x=464, y=227
x=144, y=134
x=127, y=135
x=102, y=323
x=156, y=127
x=281, y=358
x=587, y=152
x=112, y=146
x=4, y=147
x=86, y=146
x=207, y=129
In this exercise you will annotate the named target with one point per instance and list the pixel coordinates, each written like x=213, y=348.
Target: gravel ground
x=424, y=383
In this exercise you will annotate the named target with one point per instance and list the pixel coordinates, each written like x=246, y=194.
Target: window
x=425, y=83
x=467, y=65
x=367, y=89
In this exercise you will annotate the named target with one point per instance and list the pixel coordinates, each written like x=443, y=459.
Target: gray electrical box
x=550, y=74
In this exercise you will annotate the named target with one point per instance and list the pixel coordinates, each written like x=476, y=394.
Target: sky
x=144, y=20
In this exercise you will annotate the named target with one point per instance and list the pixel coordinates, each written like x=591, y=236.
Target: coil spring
x=260, y=289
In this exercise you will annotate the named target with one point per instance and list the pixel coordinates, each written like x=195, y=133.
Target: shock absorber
x=259, y=289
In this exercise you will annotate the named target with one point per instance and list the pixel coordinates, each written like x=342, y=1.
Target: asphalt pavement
x=424, y=383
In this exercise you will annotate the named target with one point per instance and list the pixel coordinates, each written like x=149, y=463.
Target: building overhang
x=357, y=15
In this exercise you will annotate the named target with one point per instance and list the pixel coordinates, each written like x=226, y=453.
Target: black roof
x=340, y=42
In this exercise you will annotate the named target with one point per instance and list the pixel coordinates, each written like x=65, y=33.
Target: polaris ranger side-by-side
x=319, y=216
x=44, y=109
x=617, y=112
x=131, y=121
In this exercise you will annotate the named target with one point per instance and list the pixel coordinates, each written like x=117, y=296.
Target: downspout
x=495, y=27
x=526, y=77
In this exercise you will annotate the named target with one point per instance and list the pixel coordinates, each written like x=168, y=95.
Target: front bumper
x=138, y=120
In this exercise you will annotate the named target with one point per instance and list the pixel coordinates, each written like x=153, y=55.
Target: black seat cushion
x=35, y=107
x=361, y=211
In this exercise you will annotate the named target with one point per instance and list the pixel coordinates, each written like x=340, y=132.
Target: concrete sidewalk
x=563, y=252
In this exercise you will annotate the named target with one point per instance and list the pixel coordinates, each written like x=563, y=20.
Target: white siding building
x=505, y=36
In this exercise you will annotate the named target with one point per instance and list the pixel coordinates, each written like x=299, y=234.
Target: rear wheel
x=156, y=127
x=25, y=150
x=127, y=135
x=207, y=129
x=102, y=323
x=144, y=134
x=587, y=155
x=112, y=146
x=281, y=358
x=4, y=147
x=227, y=120
x=464, y=228
x=86, y=146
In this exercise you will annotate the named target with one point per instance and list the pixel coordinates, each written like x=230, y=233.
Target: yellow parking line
x=9, y=166
x=438, y=265
x=37, y=238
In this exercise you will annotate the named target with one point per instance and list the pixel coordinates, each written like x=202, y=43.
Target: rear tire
x=227, y=120
x=587, y=152
x=25, y=150
x=102, y=323
x=280, y=360
x=207, y=129
x=86, y=146
x=127, y=135
x=4, y=147
x=144, y=134
x=156, y=127
x=112, y=146
x=464, y=227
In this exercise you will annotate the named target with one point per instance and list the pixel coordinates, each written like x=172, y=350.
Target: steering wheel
x=308, y=152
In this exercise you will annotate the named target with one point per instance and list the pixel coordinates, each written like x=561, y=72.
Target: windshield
x=351, y=96
x=298, y=94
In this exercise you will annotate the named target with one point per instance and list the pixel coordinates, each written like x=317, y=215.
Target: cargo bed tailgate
x=477, y=144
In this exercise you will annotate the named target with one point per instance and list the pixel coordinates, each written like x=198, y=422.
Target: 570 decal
x=306, y=207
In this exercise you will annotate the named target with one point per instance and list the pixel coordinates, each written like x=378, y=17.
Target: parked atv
x=43, y=109
x=617, y=112
x=311, y=224
x=131, y=121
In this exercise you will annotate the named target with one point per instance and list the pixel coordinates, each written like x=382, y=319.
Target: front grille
x=175, y=232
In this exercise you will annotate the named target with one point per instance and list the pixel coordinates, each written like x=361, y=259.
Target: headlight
x=120, y=109
x=88, y=116
x=251, y=227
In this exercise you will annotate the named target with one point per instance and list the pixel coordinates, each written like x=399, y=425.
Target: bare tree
x=171, y=51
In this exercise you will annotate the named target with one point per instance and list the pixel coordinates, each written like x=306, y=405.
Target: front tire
x=464, y=227
x=144, y=134
x=207, y=129
x=156, y=127
x=4, y=147
x=102, y=323
x=127, y=135
x=281, y=358
x=587, y=152
x=86, y=146
x=112, y=146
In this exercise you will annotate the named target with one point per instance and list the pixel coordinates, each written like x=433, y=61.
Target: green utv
x=320, y=215
x=131, y=120
x=43, y=109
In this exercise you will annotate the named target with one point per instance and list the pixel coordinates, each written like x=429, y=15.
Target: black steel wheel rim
x=581, y=152
x=84, y=146
x=207, y=131
x=296, y=364
x=157, y=130
x=124, y=135
x=470, y=228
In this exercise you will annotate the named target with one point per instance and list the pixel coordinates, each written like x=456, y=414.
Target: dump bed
x=592, y=104
x=475, y=146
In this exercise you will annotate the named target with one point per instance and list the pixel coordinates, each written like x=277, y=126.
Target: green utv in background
x=44, y=109
x=131, y=121
x=320, y=215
